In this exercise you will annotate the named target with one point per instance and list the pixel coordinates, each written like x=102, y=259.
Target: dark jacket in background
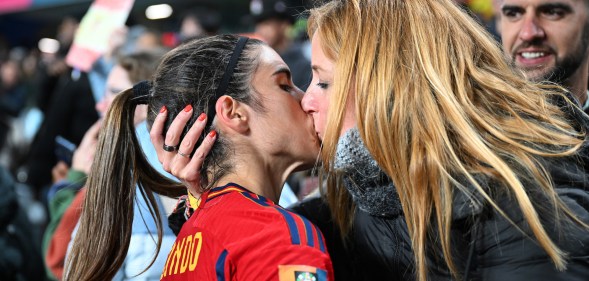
x=70, y=114
x=20, y=256
x=299, y=65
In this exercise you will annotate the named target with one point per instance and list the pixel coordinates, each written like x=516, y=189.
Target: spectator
x=12, y=96
x=549, y=41
x=20, y=259
x=66, y=205
x=274, y=21
x=199, y=23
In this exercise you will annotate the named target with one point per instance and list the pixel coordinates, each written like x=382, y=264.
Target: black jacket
x=376, y=248
x=20, y=257
x=502, y=252
x=485, y=245
x=70, y=114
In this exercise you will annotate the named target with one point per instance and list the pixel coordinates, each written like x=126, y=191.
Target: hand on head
x=177, y=157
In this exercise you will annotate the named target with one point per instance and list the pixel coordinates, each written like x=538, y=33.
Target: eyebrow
x=544, y=6
x=558, y=5
x=510, y=8
x=282, y=70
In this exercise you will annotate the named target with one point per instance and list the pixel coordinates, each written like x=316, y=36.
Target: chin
x=539, y=73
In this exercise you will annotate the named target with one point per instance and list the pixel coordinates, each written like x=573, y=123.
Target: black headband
x=225, y=79
x=141, y=90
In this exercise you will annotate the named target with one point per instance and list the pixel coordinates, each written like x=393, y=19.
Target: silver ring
x=169, y=148
x=183, y=155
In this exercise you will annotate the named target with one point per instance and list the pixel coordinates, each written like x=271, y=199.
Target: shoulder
x=260, y=240
x=284, y=247
x=258, y=219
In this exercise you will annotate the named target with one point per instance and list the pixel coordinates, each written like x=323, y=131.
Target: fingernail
x=202, y=116
x=188, y=108
x=213, y=133
x=163, y=109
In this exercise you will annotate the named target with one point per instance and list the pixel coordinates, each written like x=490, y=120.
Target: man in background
x=274, y=21
x=548, y=40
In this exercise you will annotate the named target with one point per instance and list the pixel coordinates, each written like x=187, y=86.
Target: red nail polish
x=163, y=109
x=202, y=116
x=213, y=133
x=188, y=108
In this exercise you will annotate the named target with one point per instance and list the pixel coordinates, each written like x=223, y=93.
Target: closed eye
x=114, y=91
x=287, y=88
x=323, y=85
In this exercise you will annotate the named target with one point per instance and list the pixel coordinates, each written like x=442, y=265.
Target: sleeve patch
x=301, y=273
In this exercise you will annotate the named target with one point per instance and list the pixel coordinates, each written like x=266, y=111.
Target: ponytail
x=104, y=233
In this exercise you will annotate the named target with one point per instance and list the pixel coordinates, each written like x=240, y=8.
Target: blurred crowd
x=43, y=98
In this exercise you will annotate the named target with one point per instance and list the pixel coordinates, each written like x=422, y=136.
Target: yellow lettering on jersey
x=168, y=261
x=194, y=254
x=177, y=256
x=186, y=254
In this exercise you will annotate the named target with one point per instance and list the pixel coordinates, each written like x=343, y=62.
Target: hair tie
x=225, y=79
x=141, y=92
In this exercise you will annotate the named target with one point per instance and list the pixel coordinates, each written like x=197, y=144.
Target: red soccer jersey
x=235, y=234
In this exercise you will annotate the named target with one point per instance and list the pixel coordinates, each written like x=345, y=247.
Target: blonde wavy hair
x=436, y=100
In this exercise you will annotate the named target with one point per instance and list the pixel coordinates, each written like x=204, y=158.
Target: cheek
x=509, y=33
x=572, y=39
x=323, y=105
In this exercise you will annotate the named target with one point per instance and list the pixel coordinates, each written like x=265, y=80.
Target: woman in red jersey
x=240, y=91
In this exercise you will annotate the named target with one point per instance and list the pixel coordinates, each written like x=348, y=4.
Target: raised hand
x=175, y=156
x=84, y=154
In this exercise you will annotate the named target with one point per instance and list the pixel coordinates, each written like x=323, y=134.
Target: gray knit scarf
x=371, y=189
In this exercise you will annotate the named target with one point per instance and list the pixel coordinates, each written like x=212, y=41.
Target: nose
x=307, y=102
x=531, y=30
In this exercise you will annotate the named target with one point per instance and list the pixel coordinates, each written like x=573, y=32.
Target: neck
x=264, y=178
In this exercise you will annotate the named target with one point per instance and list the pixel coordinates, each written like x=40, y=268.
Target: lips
x=532, y=55
x=533, y=58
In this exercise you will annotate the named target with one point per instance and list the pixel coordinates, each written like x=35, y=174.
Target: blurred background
x=24, y=22
x=48, y=101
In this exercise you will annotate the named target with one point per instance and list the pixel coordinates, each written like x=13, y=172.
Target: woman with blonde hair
x=485, y=163
x=488, y=167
